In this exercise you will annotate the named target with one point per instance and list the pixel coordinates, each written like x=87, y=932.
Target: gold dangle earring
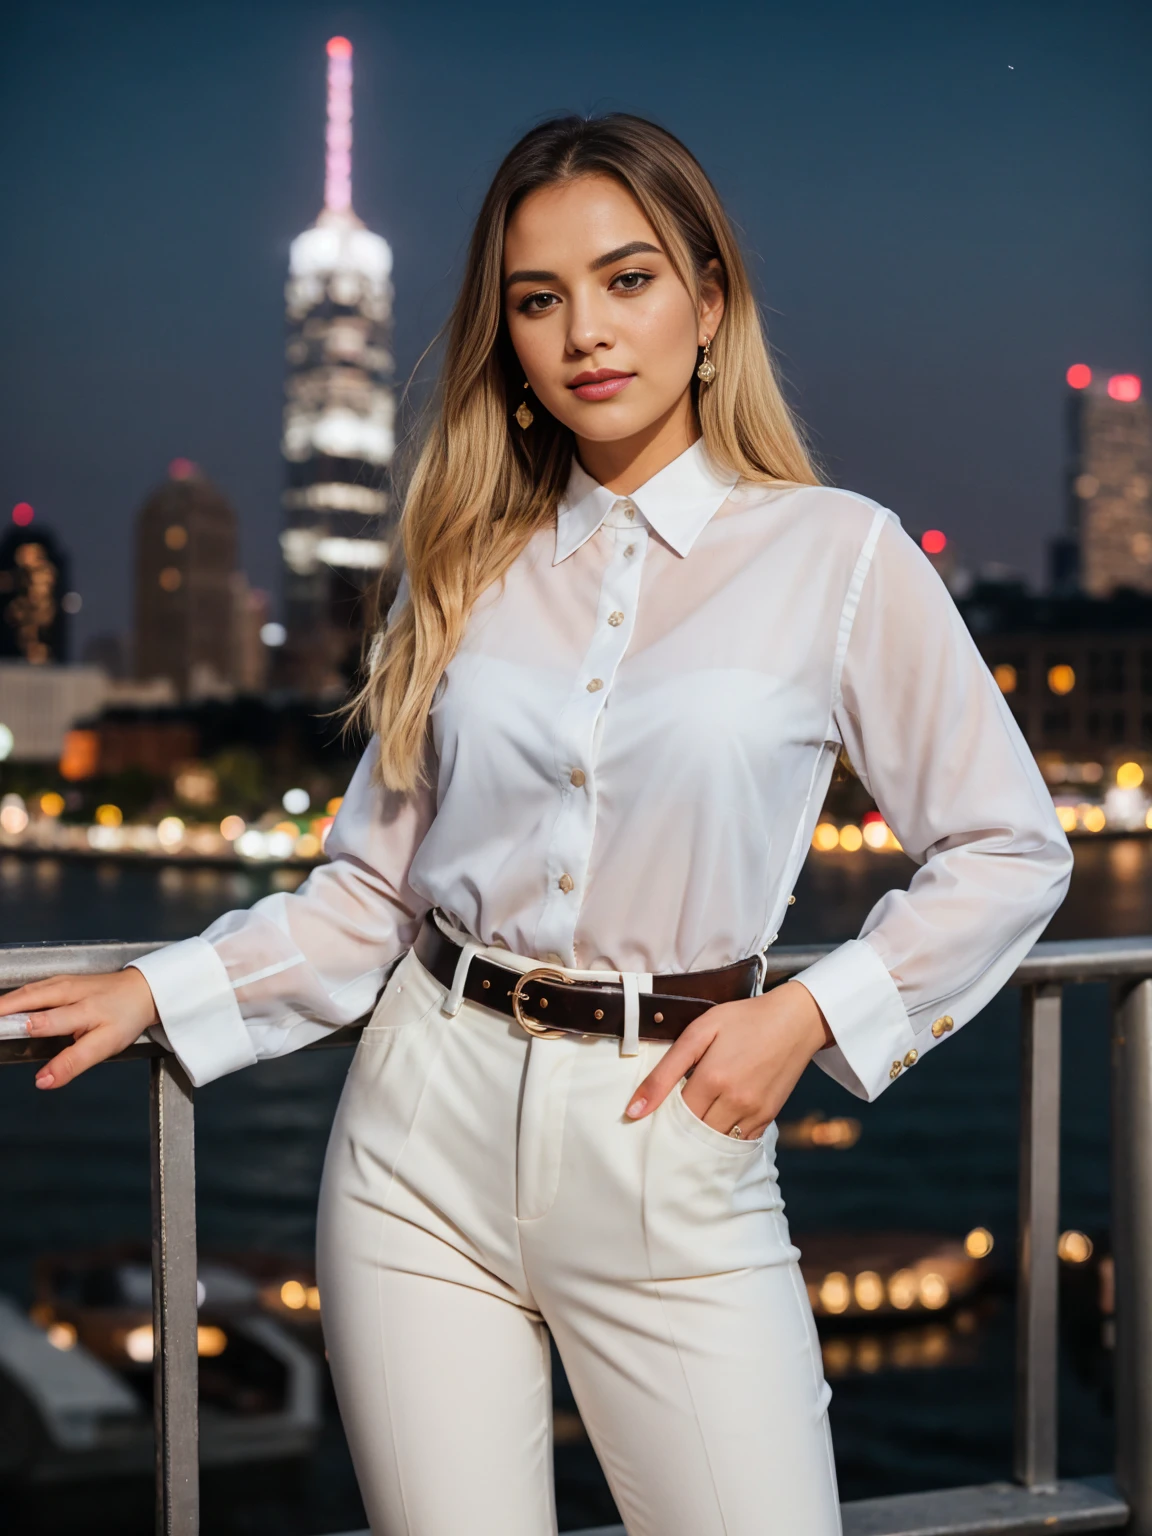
x=523, y=413
x=707, y=369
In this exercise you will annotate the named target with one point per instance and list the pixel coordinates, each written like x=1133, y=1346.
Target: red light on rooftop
x=1079, y=376
x=22, y=514
x=181, y=469
x=339, y=48
x=1124, y=386
x=933, y=542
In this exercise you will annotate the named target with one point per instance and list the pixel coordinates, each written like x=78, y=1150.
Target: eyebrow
x=621, y=253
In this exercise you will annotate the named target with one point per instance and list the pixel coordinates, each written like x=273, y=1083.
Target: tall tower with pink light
x=339, y=412
x=1109, y=478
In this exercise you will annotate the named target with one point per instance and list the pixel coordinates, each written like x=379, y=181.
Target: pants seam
x=676, y=1344
x=382, y=1217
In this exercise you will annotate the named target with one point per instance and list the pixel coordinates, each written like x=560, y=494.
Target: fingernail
x=636, y=1108
x=44, y=1079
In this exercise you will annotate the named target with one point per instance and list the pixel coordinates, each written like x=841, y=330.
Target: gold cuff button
x=912, y=1058
x=895, y=1072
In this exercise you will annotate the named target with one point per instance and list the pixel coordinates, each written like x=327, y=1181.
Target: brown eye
x=536, y=303
x=631, y=282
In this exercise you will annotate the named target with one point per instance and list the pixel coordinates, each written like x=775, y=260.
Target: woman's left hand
x=745, y=1058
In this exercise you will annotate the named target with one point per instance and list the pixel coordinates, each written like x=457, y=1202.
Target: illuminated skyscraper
x=1110, y=481
x=338, y=413
x=34, y=595
x=185, y=585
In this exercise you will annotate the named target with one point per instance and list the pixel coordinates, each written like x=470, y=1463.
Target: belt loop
x=761, y=972
x=450, y=1007
x=633, y=983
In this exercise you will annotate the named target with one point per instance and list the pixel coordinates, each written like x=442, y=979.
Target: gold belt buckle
x=534, y=1026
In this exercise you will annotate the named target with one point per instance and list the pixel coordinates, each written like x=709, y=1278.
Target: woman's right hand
x=105, y=1013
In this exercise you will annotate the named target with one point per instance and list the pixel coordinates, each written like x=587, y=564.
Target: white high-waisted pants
x=481, y=1187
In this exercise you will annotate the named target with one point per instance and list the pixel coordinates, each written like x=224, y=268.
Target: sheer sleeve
x=295, y=966
x=930, y=735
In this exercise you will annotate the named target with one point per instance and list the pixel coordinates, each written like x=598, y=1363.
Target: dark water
x=938, y=1153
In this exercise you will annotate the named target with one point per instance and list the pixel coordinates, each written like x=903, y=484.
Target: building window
x=1105, y=672
x=1057, y=722
x=1119, y=725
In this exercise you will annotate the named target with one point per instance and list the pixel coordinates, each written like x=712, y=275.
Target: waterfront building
x=338, y=415
x=1076, y=671
x=35, y=600
x=185, y=588
x=38, y=704
x=1109, y=485
x=249, y=652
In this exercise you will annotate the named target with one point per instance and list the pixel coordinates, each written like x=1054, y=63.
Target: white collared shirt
x=632, y=748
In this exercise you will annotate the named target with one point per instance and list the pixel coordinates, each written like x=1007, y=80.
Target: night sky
x=944, y=205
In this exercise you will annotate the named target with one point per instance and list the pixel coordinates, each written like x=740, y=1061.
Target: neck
x=627, y=463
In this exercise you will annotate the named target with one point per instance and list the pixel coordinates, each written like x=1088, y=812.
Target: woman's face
x=605, y=331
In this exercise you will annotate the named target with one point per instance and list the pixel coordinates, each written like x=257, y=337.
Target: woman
x=634, y=634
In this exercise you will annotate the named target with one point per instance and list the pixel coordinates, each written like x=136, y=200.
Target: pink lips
x=601, y=385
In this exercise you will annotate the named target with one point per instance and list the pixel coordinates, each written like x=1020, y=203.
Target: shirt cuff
x=198, y=1009
x=862, y=1005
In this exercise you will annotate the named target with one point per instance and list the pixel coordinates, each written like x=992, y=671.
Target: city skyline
x=942, y=213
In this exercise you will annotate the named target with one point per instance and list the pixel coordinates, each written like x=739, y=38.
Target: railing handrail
x=1002, y=1508
x=1049, y=960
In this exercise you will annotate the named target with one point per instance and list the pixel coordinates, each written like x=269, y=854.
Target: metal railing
x=1038, y=1500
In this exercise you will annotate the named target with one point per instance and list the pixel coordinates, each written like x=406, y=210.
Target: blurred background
x=231, y=232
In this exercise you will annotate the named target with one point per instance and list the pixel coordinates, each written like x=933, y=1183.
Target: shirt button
x=629, y=510
x=912, y=1058
x=616, y=618
x=576, y=777
x=595, y=685
x=566, y=882
x=631, y=550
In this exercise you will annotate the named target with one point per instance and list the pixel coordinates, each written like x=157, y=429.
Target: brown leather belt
x=545, y=1002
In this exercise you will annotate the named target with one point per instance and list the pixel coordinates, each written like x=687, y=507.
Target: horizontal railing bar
x=1068, y=961
x=987, y=1509
x=1051, y=960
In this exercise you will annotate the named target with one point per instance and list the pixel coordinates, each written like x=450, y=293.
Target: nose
x=589, y=323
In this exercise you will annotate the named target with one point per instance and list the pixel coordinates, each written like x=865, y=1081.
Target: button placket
x=570, y=848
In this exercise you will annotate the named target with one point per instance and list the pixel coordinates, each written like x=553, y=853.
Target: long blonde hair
x=481, y=487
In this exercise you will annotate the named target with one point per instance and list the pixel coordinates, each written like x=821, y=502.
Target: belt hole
x=599, y=1014
x=659, y=1018
x=485, y=984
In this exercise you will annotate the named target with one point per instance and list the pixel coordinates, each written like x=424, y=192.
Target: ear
x=711, y=300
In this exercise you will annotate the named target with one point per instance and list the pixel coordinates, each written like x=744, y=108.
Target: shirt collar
x=678, y=502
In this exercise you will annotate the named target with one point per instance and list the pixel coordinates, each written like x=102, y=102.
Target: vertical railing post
x=1132, y=1246
x=175, y=1362
x=1039, y=1219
